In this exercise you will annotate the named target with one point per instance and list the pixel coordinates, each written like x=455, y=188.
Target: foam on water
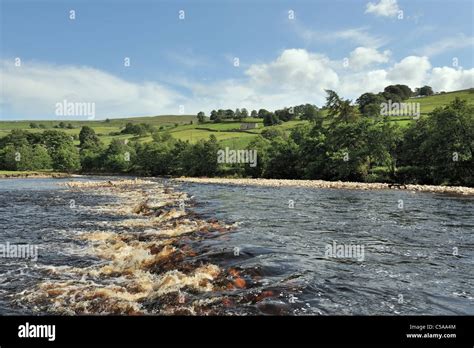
x=130, y=269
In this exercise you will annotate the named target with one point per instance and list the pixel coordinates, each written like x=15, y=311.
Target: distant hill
x=186, y=127
x=428, y=104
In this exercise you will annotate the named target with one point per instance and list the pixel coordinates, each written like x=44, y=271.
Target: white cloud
x=353, y=85
x=187, y=58
x=449, y=79
x=294, y=77
x=411, y=71
x=358, y=36
x=35, y=88
x=448, y=43
x=362, y=57
x=384, y=8
x=294, y=69
x=297, y=76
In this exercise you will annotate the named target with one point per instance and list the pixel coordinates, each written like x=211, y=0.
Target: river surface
x=415, y=251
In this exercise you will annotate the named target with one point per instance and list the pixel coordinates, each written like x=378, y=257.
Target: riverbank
x=460, y=190
x=6, y=174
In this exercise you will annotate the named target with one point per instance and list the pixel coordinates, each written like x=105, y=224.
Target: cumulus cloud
x=450, y=79
x=353, y=85
x=294, y=69
x=411, y=71
x=297, y=76
x=294, y=77
x=34, y=89
x=384, y=8
x=362, y=57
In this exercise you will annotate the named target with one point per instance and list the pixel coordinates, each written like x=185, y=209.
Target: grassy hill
x=428, y=104
x=186, y=127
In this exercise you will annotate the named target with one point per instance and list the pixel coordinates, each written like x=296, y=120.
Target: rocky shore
x=460, y=190
x=38, y=175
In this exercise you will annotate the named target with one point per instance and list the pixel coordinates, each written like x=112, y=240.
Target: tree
x=339, y=110
x=92, y=150
x=213, y=115
x=62, y=150
x=220, y=115
x=333, y=103
x=91, y=159
x=118, y=157
x=156, y=157
x=285, y=114
x=201, y=117
x=413, y=165
x=88, y=138
x=261, y=146
x=403, y=91
x=312, y=151
x=272, y=133
x=269, y=118
x=262, y=113
x=244, y=113
x=311, y=113
x=254, y=114
x=17, y=137
x=33, y=125
x=348, y=150
x=13, y=158
x=237, y=114
x=370, y=104
x=407, y=92
x=282, y=159
x=384, y=139
x=450, y=143
x=40, y=158
x=229, y=114
x=200, y=159
x=140, y=129
x=217, y=116
x=66, y=158
x=395, y=98
x=424, y=91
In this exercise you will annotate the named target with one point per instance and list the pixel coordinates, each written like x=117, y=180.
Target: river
x=413, y=252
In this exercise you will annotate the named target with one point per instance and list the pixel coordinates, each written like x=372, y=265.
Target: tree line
x=349, y=142
x=368, y=105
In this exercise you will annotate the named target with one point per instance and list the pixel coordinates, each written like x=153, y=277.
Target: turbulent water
x=158, y=247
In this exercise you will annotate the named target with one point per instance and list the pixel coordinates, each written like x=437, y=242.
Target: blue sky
x=187, y=64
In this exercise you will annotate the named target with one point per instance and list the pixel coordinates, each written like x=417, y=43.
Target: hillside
x=430, y=103
x=185, y=127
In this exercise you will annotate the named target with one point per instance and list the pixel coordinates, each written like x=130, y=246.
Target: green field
x=428, y=104
x=228, y=133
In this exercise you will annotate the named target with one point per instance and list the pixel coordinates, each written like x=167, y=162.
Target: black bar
x=328, y=330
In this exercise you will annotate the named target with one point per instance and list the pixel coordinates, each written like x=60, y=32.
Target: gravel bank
x=330, y=184
x=38, y=175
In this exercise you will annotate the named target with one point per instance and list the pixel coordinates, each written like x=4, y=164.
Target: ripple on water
x=101, y=257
